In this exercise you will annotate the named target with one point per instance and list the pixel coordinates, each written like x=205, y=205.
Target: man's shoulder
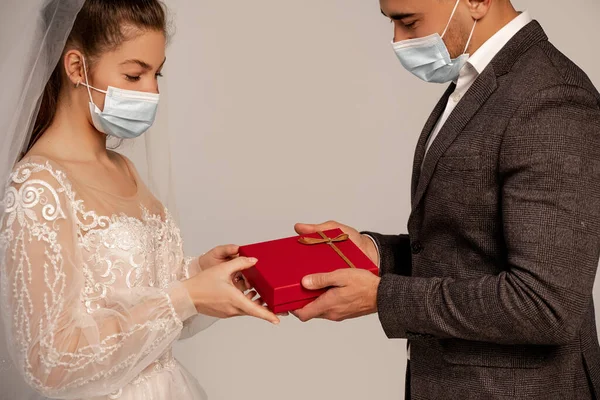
x=542, y=67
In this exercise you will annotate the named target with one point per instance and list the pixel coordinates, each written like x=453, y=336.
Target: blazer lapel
x=427, y=130
x=476, y=96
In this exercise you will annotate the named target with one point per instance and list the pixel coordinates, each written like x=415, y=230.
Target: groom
x=492, y=285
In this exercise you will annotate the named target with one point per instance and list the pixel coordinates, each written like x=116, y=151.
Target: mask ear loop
x=87, y=83
x=451, y=16
x=470, y=37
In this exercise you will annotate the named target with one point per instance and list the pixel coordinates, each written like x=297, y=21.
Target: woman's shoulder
x=39, y=188
x=36, y=159
x=42, y=168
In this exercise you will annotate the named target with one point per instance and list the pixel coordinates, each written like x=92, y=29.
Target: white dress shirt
x=475, y=66
x=469, y=73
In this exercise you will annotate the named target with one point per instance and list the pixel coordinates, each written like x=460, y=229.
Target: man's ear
x=74, y=68
x=479, y=8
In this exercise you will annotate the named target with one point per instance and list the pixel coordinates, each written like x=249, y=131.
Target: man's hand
x=363, y=242
x=352, y=294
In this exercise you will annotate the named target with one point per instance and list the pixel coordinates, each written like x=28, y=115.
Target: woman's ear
x=74, y=67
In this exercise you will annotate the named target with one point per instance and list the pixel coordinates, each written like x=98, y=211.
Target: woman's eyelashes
x=132, y=78
x=136, y=78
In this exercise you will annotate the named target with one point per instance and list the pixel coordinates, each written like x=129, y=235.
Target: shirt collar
x=486, y=53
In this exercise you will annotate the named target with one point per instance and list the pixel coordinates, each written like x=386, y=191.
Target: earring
x=77, y=84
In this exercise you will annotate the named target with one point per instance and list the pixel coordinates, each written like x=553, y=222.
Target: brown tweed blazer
x=493, y=283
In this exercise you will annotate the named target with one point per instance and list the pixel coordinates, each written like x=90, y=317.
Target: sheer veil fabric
x=32, y=37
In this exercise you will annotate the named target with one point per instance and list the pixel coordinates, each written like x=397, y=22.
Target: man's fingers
x=307, y=229
x=313, y=310
x=322, y=281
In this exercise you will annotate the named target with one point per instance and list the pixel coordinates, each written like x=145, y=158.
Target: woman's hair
x=100, y=26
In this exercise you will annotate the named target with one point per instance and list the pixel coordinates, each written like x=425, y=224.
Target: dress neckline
x=81, y=182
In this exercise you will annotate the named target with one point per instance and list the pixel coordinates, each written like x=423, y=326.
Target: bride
x=94, y=284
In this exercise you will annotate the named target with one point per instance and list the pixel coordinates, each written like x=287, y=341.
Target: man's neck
x=491, y=24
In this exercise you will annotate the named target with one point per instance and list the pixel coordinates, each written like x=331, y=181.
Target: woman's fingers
x=240, y=283
x=225, y=252
x=239, y=264
x=252, y=309
x=259, y=301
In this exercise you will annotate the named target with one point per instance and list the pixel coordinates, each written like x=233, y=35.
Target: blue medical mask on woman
x=428, y=58
x=127, y=114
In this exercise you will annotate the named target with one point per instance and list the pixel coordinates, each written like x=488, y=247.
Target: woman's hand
x=220, y=255
x=215, y=294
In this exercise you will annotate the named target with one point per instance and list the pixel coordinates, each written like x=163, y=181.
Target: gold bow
x=331, y=242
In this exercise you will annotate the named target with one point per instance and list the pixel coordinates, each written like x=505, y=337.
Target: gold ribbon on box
x=329, y=241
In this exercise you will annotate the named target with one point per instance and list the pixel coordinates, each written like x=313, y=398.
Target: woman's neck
x=71, y=136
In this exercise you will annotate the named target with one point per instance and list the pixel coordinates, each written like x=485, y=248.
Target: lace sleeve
x=199, y=322
x=191, y=267
x=62, y=350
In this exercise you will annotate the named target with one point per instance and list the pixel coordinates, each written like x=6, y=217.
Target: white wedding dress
x=91, y=287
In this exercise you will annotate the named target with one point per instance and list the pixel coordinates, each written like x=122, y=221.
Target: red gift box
x=282, y=264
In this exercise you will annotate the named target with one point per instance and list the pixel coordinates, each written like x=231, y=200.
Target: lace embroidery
x=122, y=250
x=186, y=267
x=140, y=251
x=165, y=363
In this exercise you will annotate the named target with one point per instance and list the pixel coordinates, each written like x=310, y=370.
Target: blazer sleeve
x=395, y=255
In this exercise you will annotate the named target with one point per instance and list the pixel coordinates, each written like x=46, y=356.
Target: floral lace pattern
x=130, y=251
x=88, y=295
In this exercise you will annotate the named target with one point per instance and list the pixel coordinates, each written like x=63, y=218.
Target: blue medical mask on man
x=428, y=57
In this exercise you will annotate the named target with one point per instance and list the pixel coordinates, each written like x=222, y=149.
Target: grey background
x=268, y=100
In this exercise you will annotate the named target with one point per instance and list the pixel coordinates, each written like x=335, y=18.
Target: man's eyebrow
x=398, y=16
